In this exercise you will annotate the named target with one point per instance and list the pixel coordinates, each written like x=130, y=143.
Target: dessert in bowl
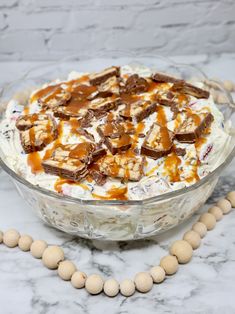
x=117, y=153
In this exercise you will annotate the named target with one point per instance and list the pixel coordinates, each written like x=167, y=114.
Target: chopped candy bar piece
x=64, y=113
x=116, y=136
x=103, y=105
x=116, y=145
x=121, y=166
x=166, y=98
x=72, y=169
x=59, y=98
x=114, y=129
x=138, y=110
x=98, y=78
x=186, y=88
x=158, y=142
x=135, y=85
x=179, y=151
x=109, y=87
x=193, y=127
x=71, y=161
x=97, y=175
x=164, y=78
x=36, y=131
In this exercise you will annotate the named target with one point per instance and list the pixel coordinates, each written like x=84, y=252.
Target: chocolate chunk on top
x=71, y=161
x=103, y=105
x=189, y=89
x=116, y=136
x=98, y=78
x=122, y=166
x=164, y=78
x=138, y=110
x=60, y=97
x=135, y=85
x=36, y=131
x=158, y=142
x=193, y=127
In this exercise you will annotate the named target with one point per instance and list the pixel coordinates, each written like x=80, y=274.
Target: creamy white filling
x=157, y=179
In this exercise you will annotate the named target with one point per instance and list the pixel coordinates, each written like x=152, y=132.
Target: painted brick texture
x=51, y=29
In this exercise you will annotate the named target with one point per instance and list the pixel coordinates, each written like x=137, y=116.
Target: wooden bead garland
x=181, y=252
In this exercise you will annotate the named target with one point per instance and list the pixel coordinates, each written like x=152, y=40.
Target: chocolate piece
x=115, y=136
x=117, y=145
x=86, y=134
x=26, y=122
x=98, y=153
x=164, y=78
x=121, y=166
x=193, y=127
x=86, y=120
x=98, y=78
x=101, y=105
x=166, y=98
x=158, y=142
x=115, y=129
x=109, y=87
x=37, y=131
x=189, y=89
x=97, y=175
x=64, y=113
x=135, y=85
x=71, y=161
x=59, y=98
x=72, y=169
x=179, y=151
x=138, y=110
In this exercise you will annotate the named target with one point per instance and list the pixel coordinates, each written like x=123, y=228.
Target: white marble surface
x=205, y=285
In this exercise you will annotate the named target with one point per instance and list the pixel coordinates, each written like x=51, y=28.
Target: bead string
x=181, y=252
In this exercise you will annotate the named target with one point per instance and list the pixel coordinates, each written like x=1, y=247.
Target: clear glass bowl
x=113, y=220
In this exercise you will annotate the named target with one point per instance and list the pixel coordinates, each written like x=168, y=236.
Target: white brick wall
x=49, y=29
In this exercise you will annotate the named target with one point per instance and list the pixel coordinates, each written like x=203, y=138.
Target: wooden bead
x=25, y=242
x=200, y=228
x=193, y=238
x=170, y=264
x=228, y=85
x=216, y=212
x=94, y=284
x=11, y=238
x=78, y=279
x=111, y=287
x=143, y=282
x=208, y=220
x=127, y=287
x=231, y=197
x=66, y=269
x=1, y=236
x=52, y=256
x=182, y=250
x=37, y=248
x=158, y=274
x=224, y=205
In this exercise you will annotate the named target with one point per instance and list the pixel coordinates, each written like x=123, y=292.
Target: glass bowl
x=114, y=219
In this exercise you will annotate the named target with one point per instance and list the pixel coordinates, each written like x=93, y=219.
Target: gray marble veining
x=205, y=285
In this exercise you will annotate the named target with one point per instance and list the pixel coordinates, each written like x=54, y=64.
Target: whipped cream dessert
x=124, y=133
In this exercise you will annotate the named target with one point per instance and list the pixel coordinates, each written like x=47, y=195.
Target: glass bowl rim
x=97, y=202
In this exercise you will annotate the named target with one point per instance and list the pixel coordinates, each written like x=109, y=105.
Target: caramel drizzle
x=171, y=166
x=113, y=194
x=35, y=163
x=58, y=186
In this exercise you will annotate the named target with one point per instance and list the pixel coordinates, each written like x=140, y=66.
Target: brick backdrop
x=49, y=29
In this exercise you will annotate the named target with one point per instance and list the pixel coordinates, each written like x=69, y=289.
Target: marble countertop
x=205, y=285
